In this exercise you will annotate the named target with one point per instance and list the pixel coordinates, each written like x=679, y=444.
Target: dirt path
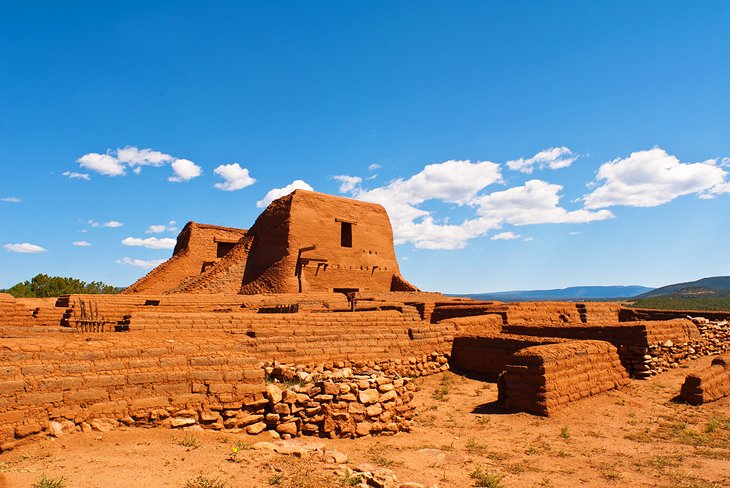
x=635, y=437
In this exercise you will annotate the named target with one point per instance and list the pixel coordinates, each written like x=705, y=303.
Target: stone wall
x=709, y=384
x=543, y=379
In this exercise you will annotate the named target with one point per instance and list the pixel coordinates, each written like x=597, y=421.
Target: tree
x=42, y=286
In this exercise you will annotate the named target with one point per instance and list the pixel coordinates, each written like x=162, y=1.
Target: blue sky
x=516, y=145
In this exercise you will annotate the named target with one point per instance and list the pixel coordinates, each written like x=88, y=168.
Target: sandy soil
x=634, y=437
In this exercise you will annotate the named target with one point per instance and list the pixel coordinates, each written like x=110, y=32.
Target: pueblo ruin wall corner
x=302, y=242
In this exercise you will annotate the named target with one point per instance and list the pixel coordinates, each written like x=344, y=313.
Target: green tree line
x=43, y=286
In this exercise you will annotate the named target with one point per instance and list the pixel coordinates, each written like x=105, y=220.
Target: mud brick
x=9, y=387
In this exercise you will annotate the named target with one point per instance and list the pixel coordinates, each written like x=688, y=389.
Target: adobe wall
x=709, y=384
x=298, y=247
x=558, y=313
x=633, y=339
x=542, y=379
x=72, y=380
x=489, y=355
x=631, y=314
x=226, y=276
x=13, y=312
x=65, y=383
x=197, y=245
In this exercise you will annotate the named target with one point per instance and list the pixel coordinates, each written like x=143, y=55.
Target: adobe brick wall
x=196, y=245
x=14, y=313
x=632, y=339
x=709, y=384
x=543, y=379
x=77, y=382
x=632, y=314
x=297, y=247
x=489, y=355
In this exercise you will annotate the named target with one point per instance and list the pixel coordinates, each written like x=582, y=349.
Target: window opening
x=223, y=248
x=345, y=234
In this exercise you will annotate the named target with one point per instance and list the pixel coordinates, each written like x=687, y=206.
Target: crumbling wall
x=226, y=276
x=709, y=384
x=196, y=249
x=543, y=379
x=300, y=244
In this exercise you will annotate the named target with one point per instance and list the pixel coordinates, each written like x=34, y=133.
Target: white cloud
x=141, y=263
x=77, y=176
x=112, y=224
x=374, y=167
x=11, y=199
x=185, y=170
x=115, y=163
x=236, y=177
x=81, y=243
x=455, y=182
x=347, y=183
x=653, y=177
x=553, y=158
x=160, y=228
x=275, y=193
x=505, y=236
x=461, y=183
x=574, y=233
x=536, y=202
x=25, y=247
x=150, y=242
x=143, y=157
x=102, y=163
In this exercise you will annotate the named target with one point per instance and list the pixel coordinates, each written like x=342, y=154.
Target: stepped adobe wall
x=709, y=384
x=199, y=247
x=543, y=379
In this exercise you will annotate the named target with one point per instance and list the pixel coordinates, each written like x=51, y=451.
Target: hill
x=570, y=293
x=717, y=286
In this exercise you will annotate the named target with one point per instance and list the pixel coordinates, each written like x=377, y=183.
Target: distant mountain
x=571, y=293
x=716, y=286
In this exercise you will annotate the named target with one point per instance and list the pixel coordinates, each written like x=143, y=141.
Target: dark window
x=345, y=234
x=223, y=248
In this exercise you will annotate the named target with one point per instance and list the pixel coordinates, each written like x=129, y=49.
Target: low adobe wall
x=633, y=339
x=65, y=382
x=542, y=379
x=489, y=355
x=709, y=384
x=631, y=314
x=77, y=382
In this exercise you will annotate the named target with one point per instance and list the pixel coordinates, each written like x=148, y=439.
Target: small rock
x=256, y=428
x=180, y=421
x=336, y=457
x=264, y=446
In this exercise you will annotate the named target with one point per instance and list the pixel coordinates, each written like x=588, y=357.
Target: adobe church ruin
x=303, y=242
x=312, y=294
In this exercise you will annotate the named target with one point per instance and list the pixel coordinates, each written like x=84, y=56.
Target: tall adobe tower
x=302, y=242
